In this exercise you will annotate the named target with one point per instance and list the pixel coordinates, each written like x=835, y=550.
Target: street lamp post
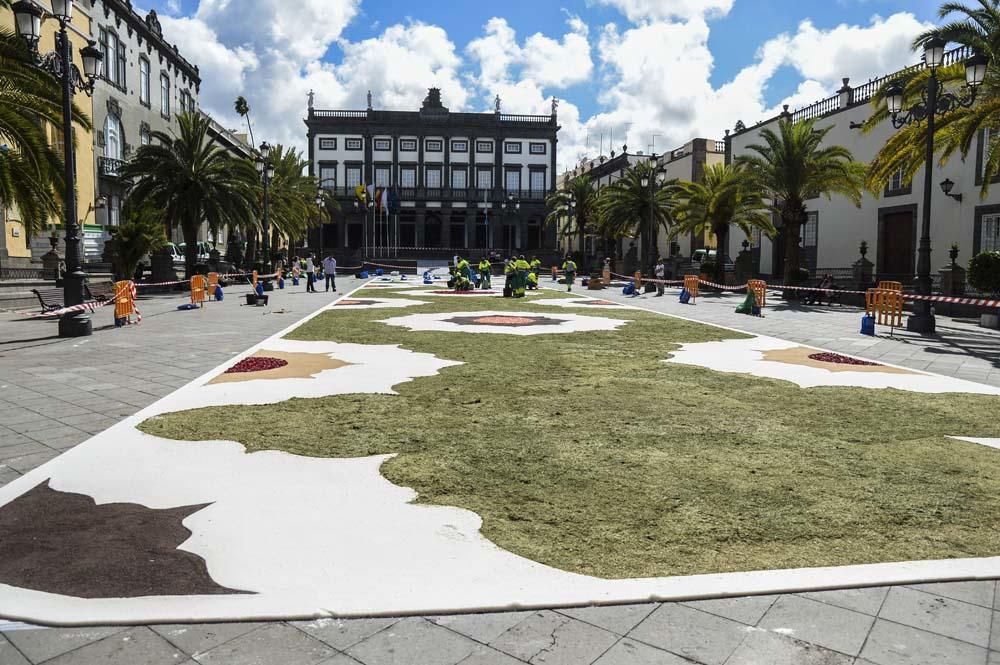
x=266, y=169
x=651, y=181
x=934, y=103
x=28, y=19
x=513, y=207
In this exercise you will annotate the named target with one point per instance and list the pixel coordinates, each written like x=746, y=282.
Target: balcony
x=110, y=168
x=446, y=194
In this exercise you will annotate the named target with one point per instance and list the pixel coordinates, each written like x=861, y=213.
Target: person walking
x=521, y=270
x=310, y=275
x=330, y=269
x=569, y=267
x=661, y=273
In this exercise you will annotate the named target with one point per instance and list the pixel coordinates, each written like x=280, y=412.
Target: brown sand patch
x=799, y=355
x=64, y=543
x=300, y=366
x=504, y=321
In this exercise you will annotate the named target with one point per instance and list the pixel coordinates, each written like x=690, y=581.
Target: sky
x=654, y=73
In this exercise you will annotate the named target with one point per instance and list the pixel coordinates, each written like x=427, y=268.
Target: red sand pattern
x=838, y=359
x=503, y=321
x=256, y=364
x=464, y=293
x=357, y=302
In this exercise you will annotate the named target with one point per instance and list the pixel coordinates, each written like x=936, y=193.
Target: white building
x=890, y=222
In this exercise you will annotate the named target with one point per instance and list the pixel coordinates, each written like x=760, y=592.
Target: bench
x=100, y=292
x=49, y=299
x=817, y=297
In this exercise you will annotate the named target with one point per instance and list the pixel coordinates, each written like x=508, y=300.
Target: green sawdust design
x=588, y=453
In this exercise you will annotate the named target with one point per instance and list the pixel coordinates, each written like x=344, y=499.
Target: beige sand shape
x=300, y=366
x=799, y=355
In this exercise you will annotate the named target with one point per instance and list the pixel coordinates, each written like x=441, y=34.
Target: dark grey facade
x=466, y=183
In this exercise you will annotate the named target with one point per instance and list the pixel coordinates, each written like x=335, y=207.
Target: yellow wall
x=85, y=177
x=17, y=241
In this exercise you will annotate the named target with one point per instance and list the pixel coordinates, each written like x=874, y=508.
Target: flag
x=393, y=202
x=359, y=193
x=379, y=193
x=371, y=192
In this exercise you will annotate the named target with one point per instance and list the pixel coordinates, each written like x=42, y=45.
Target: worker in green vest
x=532, y=281
x=522, y=268
x=485, y=276
x=510, y=278
x=536, y=266
x=569, y=267
x=464, y=274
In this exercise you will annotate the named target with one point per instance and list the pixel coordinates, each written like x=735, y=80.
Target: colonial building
x=145, y=84
x=458, y=182
x=889, y=221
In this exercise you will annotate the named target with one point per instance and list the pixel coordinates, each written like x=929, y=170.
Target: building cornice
x=148, y=28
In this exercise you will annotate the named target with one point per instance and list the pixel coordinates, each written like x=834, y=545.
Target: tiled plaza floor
x=56, y=392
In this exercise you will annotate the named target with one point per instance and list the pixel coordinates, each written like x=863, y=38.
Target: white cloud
x=653, y=75
x=639, y=10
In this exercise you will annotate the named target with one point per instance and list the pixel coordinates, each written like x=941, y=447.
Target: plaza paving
x=950, y=623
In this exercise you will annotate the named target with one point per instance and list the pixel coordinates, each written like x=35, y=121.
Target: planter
x=990, y=321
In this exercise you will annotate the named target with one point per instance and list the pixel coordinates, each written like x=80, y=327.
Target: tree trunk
x=190, y=249
x=793, y=230
x=721, y=243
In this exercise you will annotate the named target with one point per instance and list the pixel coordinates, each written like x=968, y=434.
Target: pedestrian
x=521, y=270
x=569, y=267
x=310, y=275
x=661, y=273
x=330, y=268
x=485, y=273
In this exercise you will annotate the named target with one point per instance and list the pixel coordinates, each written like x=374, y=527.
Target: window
x=353, y=176
x=408, y=176
x=144, y=136
x=113, y=137
x=164, y=95
x=187, y=102
x=484, y=146
x=327, y=144
x=989, y=238
x=537, y=181
x=433, y=145
x=114, y=211
x=105, y=46
x=434, y=177
x=810, y=230
x=327, y=176
x=459, y=178
x=381, y=176
x=408, y=145
x=144, y=81
x=354, y=144
x=538, y=148
x=120, y=64
x=898, y=185
x=987, y=139
x=460, y=146
x=512, y=181
x=755, y=238
x=383, y=145
x=512, y=148
x=484, y=179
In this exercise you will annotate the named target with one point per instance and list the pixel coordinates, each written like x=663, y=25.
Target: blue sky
x=723, y=39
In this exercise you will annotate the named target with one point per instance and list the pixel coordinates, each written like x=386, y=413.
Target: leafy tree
x=625, y=208
x=292, y=208
x=976, y=26
x=192, y=180
x=725, y=197
x=791, y=167
x=139, y=234
x=580, y=190
x=31, y=171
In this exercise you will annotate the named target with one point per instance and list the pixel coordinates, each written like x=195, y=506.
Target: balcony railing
x=110, y=168
x=449, y=194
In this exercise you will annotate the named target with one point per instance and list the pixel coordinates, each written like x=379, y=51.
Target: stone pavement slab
x=49, y=381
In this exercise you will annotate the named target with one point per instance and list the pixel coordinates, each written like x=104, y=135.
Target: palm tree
x=192, y=180
x=725, y=197
x=977, y=27
x=578, y=195
x=31, y=171
x=292, y=207
x=242, y=108
x=630, y=208
x=792, y=166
